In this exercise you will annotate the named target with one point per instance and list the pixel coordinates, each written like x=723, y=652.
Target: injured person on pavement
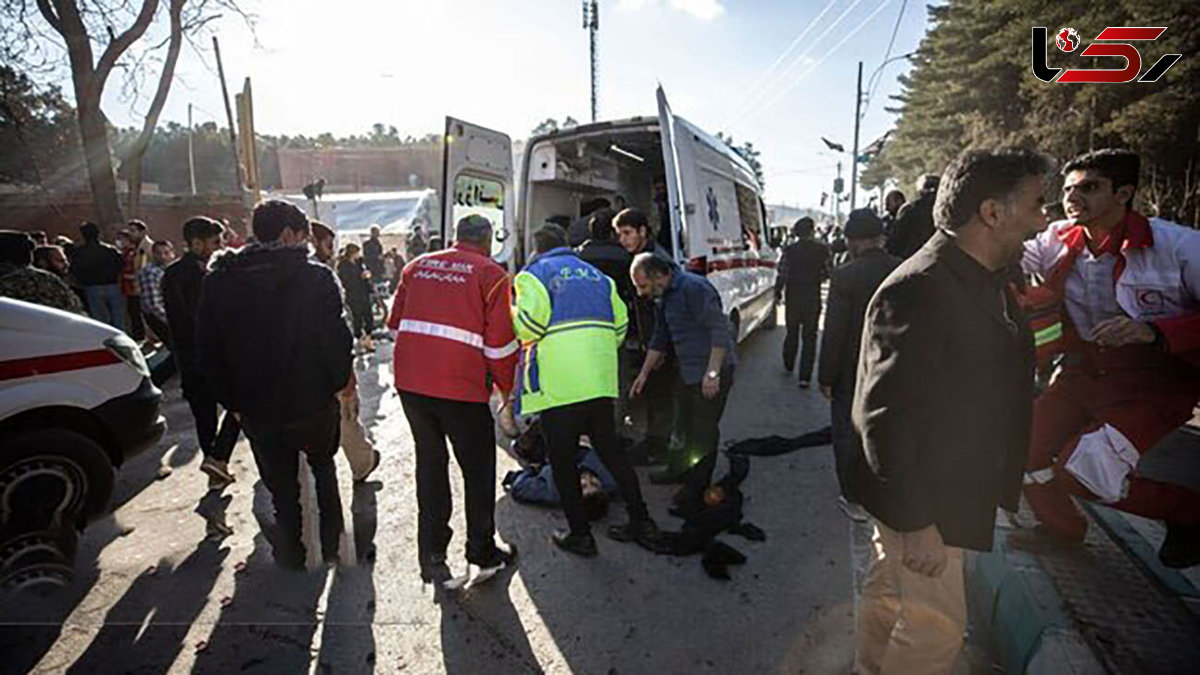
x=534, y=483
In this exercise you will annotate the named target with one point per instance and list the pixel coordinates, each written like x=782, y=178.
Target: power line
x=877, y=77
x=787, y=88
x=748, y=109
x=763, y=76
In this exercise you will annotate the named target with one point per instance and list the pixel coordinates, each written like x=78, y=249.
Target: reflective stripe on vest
x=1048, y=335
x=455, y=334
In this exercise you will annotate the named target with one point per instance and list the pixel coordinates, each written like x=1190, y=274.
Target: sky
x=778, y=73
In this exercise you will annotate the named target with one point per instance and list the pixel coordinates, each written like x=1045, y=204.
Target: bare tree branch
x=49, y=15
x=118, y=47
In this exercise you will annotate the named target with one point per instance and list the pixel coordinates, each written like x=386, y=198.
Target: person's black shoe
x=1182, y=546
x=580, y=544
x=434, y=569
x=644, y=532
x=667, y=476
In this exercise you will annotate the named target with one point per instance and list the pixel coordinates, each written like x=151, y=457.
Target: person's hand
x=1122, y=330
x=711, y=386
x=827, y=392
x=638, y=386
x=924, y=551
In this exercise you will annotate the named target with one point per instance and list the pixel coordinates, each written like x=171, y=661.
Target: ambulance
x=76, y=401
x=702, y=198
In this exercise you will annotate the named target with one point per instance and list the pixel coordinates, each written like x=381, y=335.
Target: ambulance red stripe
x=56, y=363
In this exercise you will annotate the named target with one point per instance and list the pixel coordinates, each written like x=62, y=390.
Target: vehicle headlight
x=129, y=353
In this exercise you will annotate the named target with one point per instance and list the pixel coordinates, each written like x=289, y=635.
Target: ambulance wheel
x=53, y=477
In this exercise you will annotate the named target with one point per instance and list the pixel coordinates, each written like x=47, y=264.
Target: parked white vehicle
x=701, y=196
x=76, y=401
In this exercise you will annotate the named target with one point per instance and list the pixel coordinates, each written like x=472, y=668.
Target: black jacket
x=358, y=289
x=944, y=396
x=97, y=264
x=181, y=294
x=850, y=289
x=609, y=257
x=913, y=226
x=271, y=337
x=803, y=266
x=373, y=257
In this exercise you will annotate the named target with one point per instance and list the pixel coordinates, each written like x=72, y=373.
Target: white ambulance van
x=75, y=402
x=701, y=197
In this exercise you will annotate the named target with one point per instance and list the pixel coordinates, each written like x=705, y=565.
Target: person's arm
x=397, y=313
x=705, y=305
x=781, y=273
x=500, y=345
x=531, y=314
x=620, y=312
x=839, y=315
x=656, y=352
x=336, y=344
x=1181, y=334
x=211, y=356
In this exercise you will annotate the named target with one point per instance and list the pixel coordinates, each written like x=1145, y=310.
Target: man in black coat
x=944, y=406
x=181, y=284
x=276, y=349
x=803, y=267
x=913, y=225
x=850, y=289
x=605, y=253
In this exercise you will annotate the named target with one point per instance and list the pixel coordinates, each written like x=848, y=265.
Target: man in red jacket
x=454, y=343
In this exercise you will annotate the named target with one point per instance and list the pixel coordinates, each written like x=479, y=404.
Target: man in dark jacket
x=181, y=285
x=98, y=268
x=944, y=405
x=803, y=267
x=850, y=289
x=605, y=253
x=913, y=224
x=276, y=349
x=636, y=236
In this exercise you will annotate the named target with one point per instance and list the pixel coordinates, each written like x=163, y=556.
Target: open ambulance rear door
x=477, y=179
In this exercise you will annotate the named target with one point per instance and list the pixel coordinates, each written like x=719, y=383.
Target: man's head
x=202, y=236
x=474, y=230
x=90, y=232
x=804, y=228
x=374, y=231
x=593, y=205
x=595, y=502
x=863, y=231
x=163, y=253
x=16, y=248
x=278, y=221
x=651, y=275
x=51, y=259
x=928, y=183
x=993, y=195
x=633, y=230
x=548, y=238
x=600, y=226
x=136, y=231
x=322, y=240
x=39, y=238
x=351, y=251
x=1098, y=188
x=124, y=240
x=893, y=201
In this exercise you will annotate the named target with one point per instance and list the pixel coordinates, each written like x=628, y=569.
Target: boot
x=583, y=544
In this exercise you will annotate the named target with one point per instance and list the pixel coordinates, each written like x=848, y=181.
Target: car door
x=477, y=179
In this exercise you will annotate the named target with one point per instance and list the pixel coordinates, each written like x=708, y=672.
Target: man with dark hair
x=52, y=259
x=98, y=267
x=850, y=289
x=578, y=232
x=603, y=252
x=19, y=279
x=275, y=347
x=892, y=202
x=137, y=256
x=803, y=267
x=181, y=283
x=1130, y=375
x=636, y=236
x=372, y=250
x=689, y=321
x=149, y=281
x=914, y=221
x=454, y=344
x=571, y=322
x=943, y=402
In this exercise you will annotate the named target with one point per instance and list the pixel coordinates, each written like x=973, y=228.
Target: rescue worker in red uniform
x=1127, y=293
x=454, y=344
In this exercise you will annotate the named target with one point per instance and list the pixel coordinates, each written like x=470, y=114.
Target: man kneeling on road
x=571, y=322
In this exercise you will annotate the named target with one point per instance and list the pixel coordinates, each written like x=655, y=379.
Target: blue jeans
x=107, y=304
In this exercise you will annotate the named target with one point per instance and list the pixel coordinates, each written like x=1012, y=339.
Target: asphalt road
x=152, y=595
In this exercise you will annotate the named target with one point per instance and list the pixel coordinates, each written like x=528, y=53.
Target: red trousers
x=1134, y=391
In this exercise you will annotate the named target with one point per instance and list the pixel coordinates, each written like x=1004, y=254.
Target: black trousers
x=160, y=327
x=562, y=428
x=134, y=324
x=701, y=419
x=472, y=432
x=277, y=448
x=847, y=445
x=214, y=443
x=801, y=317
x=362, y=321
x=662, y=398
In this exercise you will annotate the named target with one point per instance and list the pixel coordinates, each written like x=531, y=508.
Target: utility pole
x=591, y=23
x=858, y=97
x=237, y=166
x=191, y=154
x=837, y=195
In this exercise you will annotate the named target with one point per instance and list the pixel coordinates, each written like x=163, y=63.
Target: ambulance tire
x=53, y=477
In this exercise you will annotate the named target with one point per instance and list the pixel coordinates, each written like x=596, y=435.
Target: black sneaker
x=434, y=568
x=580, y=544
x=1182, y=546
x=644, y=532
